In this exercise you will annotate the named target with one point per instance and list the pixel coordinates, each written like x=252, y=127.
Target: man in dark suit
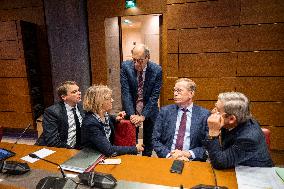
x=181, y=127
x=62, y=121
x=242, y=140
x=141, y=82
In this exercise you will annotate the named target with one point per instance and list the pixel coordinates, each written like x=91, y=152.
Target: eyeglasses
x=75, y=91
x=140, y=60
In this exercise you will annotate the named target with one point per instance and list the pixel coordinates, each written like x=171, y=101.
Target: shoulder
x=55, y=108
x=200, y=110
x=169, y=108
x=155, y=66
x=126, y=64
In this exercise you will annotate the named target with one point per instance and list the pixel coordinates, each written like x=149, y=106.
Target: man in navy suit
x=242, y=140
x=141, y=82
x=62, y=121
x=181, y=127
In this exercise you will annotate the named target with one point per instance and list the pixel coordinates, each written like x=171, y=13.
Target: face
x=139, y=59
x=182, y=96
x=107, y=104
x=225, y=119
x=73, y=95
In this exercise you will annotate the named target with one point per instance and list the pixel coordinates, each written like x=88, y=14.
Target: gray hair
x=146, y=49
x=237, y=104
x=191, y=86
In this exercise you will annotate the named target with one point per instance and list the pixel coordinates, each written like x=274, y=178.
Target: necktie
x=78, y=129
x=139, y=101
x=181, y=131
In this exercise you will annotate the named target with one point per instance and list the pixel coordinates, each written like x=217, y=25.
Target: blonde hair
x=94, y=98
x=190, y=86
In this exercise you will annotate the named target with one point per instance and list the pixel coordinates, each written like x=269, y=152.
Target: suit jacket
x=151, y=88
x=243, y=145
x=55, y=126
x=93, y=136
x=164, y=130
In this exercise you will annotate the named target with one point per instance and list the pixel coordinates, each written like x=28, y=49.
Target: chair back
x=266, y=133
x=125, y=134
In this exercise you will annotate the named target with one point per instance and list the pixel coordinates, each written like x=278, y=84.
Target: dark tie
x=139, y=101
x=78, y=129
x=181, y=131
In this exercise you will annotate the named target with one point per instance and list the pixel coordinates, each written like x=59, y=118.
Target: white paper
x=110, y=162
x=258, y=178
x=40, y=153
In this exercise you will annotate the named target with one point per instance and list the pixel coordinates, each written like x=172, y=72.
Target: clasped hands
x=180, y=155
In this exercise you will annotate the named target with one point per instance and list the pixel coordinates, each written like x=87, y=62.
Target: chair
x=125, y=134
x=266, y=133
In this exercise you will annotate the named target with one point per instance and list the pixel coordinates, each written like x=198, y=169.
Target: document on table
x=258, y=178
x=40, y=153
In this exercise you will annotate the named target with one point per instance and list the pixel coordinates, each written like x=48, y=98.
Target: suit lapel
x=173, y=120
x=64, y=116
x=193, y=127
x=148, y=75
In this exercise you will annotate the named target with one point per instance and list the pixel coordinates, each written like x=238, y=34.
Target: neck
x=185, y=105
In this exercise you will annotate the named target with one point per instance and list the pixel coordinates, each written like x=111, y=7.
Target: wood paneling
x=10, y=50
x=16, y=4
x=173, y=41
x=276, y=138
x=14, y=86
x=15, y=119
x=8, y=31
x=207, y=65
x=15, y=103
x=204, y=14
x=208, y=40
x=261, y=37
x=13, y=68
x=277, y=157
x=262, y=88
x=262, y=11
x=172, y=68
x=269, y=63
x=268, y=113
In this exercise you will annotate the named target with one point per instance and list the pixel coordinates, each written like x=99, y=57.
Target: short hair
x=237, y=104
x=94, y=98
x=63, y=88
x=146, y=49
x=191, y=86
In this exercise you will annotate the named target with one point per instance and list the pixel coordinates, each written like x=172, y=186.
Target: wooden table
x=137, y=168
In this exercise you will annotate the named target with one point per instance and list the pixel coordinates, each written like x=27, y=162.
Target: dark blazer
x=243, y=145
x=93, y=136
x=55, y=126
x=164, y=130
x=151, y=88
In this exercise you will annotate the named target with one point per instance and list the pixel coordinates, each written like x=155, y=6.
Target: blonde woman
x=98, y=125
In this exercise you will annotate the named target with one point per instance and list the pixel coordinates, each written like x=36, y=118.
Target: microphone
x=55, y=182
x=37, y=157
x=21, y=135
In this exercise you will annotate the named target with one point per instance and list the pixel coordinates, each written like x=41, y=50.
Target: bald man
x=141, y=82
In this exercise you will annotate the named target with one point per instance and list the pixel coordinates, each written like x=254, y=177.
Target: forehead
x=72, y=88
x=219, y=105
x=138, y=53
x=181, y=84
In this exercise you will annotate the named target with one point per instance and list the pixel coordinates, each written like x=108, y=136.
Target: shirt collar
x=189, y=108
x=68, y=107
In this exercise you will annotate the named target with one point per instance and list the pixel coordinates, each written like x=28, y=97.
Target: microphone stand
x=21, y=136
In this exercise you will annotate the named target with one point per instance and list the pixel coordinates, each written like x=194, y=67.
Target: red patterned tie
x=181, y=131
x=139, y=101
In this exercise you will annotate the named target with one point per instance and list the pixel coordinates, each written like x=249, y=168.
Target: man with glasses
x=141, y=82
x=62, y=121
x=242, y=140
x=181, y=127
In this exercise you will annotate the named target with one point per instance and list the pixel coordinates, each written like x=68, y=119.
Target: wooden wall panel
x=262, y=88
x=15, y=119
x=277, y=157
x=15, y=103
x=176, y=1
x=268, y=113
x=207, y=65
x=8, y=4
x=261, y=37
x=10, y=50
x=262, y=11
x=269, y=63
x=168, y=86
x=8, y=31
x=209, y=105
x=13, y=68
x=208, y=40
x=15, y=86
x=172, y=68
x=204, y=14
x=173, y=41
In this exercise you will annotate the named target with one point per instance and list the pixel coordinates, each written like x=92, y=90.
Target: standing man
x=62, y=121
x=242, y=140
x=181, y=127
x=141, y=82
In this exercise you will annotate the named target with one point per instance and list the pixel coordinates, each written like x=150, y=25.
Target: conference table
x=134, y=168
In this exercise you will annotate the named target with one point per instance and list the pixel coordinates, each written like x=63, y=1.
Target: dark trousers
x=147, y=137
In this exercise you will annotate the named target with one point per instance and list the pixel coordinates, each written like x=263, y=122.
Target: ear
x=232, y=120
x=63, y=97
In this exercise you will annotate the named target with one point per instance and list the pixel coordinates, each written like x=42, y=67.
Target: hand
x=215, y=122
x=137, y=120
x=175, y=154
x=140, y=147
x=183, y=158
x=120, y=116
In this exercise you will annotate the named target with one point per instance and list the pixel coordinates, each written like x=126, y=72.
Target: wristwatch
x=212, y=137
